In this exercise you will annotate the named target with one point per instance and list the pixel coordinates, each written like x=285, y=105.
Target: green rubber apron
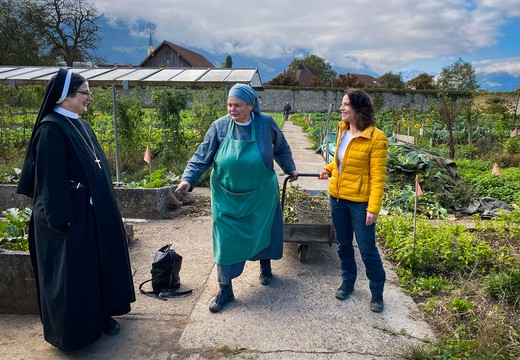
x=244, y=195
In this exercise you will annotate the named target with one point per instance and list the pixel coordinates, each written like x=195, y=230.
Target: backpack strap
x=149, y=293
x=173, y=293
x=163, y=294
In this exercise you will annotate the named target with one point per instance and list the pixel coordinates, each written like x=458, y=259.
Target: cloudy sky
x=365, y=35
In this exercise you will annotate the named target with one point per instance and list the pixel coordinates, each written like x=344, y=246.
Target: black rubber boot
x=224, y=296
x=344, y=291
x=266, y=275
x=376, y=303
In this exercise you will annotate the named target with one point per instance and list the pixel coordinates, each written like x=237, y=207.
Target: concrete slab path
x=296, y=317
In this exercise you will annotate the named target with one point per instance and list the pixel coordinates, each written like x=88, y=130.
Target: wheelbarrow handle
x=287, y=179
x=308, y=175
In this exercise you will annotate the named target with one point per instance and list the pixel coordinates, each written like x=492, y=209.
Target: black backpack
x=166, y=267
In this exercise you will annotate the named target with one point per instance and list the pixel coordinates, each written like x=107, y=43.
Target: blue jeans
x=349, y=219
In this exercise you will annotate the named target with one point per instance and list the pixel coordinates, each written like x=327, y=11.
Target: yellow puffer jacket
x=363, y=173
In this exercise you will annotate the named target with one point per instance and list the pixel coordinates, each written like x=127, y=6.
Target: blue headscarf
x=247, y=94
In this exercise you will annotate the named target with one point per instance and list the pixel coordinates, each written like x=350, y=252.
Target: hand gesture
x=183, y=188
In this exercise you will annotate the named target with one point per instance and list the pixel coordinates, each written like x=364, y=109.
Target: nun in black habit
x=77, y=240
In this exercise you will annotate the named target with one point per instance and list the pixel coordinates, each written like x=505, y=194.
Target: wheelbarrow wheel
x=302, y=252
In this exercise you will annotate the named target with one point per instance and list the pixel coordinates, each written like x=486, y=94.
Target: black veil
x=55, y=92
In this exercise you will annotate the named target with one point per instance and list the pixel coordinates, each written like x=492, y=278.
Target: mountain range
x=119, y=47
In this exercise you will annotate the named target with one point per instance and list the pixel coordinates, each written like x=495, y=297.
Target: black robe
x=76, y=239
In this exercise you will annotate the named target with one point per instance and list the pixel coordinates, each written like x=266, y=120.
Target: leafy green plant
x=14, y=230
x=436, y=250
x=512, y=145
x=466, y=152
x=289, y=207
x=472, y=326
x=434, y=284
x=504, y=285
x=401, y=200
x=227, y=350
x=477, y=174
x=160, y=178
x=130, y=130
x=9, y=175
x=169, y=105
x=431, y=304
x=460, y=306
x=508, y=160
x=18, y=109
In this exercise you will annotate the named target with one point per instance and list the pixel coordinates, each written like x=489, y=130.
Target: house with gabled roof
x=168, y=54
x=365, y=79
x=304, y=76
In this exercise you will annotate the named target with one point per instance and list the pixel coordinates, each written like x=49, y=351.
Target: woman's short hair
x=362, y=103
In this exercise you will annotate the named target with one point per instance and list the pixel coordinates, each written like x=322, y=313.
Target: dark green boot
x=266, y=275
x=224, y=296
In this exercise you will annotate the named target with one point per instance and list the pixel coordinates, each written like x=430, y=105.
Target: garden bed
x=18, y=287
x=140, y=203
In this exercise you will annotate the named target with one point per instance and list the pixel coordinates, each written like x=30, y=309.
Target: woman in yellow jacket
x=357, y=180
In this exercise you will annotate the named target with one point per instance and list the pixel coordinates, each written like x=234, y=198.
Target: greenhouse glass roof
x=133, y=76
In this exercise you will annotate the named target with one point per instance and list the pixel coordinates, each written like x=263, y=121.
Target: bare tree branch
x=70, y=29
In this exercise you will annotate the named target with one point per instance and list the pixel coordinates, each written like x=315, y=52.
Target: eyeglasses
x=85, y=92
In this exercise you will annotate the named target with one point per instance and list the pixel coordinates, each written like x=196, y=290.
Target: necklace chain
x=91, y=147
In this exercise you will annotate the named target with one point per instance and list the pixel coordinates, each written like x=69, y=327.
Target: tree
x=448, y=109
x=501, y=113
x=284, y=79
x=69, y=28
x=459, y=76
x=390, y=80
x=470, y=114
x=320, y=67
x=348, y=81
x=21, y=44
x=228, y=63
x=421, y=82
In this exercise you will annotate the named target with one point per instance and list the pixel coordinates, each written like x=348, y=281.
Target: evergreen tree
x=228, y=63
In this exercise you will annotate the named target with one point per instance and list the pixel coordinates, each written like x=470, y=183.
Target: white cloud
x=509, y=66
x=379, y=35
x=509, y=7
x=491, y=84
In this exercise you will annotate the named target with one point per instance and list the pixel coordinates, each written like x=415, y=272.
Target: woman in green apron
x=247, y=216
